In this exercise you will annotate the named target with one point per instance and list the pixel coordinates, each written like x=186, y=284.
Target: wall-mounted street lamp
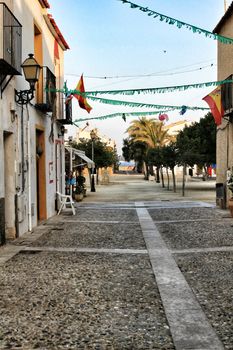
x=93, y=137
x=31, y=70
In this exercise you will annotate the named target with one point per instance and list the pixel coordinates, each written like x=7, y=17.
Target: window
x=47, y=102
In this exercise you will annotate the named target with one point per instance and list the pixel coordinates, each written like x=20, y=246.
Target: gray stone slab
x=176, y=296
x=100, y=222
x=190, y=330
x=8, y=252
x=165, y=273
x=86, y=250
x=184, y=221
x=107, y=208
x=202, y=250
x=189, y=327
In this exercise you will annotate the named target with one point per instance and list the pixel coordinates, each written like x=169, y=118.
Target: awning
x=81, y=154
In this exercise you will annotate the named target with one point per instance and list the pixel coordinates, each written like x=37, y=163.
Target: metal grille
x=49, y=92
x=50, y=85
x=227, y=96
x=11, y=53
x=68, y=111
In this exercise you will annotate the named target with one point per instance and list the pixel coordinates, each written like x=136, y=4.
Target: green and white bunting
x=140, y=104
x=179, y=24
x=114, y=115
x=152, y=90
x=132, y=114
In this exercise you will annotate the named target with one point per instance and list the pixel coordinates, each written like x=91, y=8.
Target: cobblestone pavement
x=123, y=275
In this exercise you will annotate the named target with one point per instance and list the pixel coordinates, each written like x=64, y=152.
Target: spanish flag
x=215, y=104
x=82, y=100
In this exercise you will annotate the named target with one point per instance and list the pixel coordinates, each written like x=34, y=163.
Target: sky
x=112, y=45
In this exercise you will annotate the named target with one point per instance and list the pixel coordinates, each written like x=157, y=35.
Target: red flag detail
x=82, y=100
x=215, y=104
x=56, y=50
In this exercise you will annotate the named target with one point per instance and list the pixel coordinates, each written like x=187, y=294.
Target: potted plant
x=79, y=193
x=230, y=187
x=80, y=181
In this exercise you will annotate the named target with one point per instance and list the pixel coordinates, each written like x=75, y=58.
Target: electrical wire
x=159, y=73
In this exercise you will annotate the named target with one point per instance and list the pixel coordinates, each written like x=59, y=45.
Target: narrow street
x=137, y=267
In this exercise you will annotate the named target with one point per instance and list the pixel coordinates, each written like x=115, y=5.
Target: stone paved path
x=126, y=275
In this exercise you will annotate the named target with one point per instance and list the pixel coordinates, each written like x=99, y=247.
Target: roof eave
x=56, y=31
x=224, y=18
x=44, y=4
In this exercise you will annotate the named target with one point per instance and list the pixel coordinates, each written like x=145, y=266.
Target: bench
x=66, y=201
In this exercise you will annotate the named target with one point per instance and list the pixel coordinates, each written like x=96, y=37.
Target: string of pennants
x=162, y=115
x=179, y=24
x=140, y=104
x=152, y=90
x=82, y=95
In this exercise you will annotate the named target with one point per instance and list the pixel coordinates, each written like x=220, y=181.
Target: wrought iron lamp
x=31, y=70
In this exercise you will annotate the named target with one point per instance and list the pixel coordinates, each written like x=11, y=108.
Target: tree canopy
x=196, y=144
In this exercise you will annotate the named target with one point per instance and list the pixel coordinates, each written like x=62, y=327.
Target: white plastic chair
x=66, y=202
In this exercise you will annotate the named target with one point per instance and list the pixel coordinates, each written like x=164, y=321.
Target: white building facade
x=31, y=135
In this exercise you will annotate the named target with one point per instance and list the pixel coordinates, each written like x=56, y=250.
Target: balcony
x=10, y=46
x=10, y=43
x=46, y=94
x=227, y=97
x=65, y=117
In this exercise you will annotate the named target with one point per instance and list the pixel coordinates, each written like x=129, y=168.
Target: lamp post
x=93, y=137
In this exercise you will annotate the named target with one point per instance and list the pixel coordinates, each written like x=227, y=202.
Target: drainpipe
x=29, y=175
x=71, y=167
x=17, y=188
x=22, y=151
x=16, y=217
x=20, y=190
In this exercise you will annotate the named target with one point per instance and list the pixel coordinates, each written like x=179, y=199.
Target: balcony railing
x=68, y=111
x=47, y=103
x=10, y=43
x=227, y=96
x=65, y=115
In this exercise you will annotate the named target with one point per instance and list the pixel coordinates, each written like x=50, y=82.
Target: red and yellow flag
x=215, y=104
x=82, y=100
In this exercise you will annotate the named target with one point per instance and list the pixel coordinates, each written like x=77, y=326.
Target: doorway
x=9, y=185
x=40, y=175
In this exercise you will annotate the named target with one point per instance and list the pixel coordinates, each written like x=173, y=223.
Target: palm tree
x=149, y=131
